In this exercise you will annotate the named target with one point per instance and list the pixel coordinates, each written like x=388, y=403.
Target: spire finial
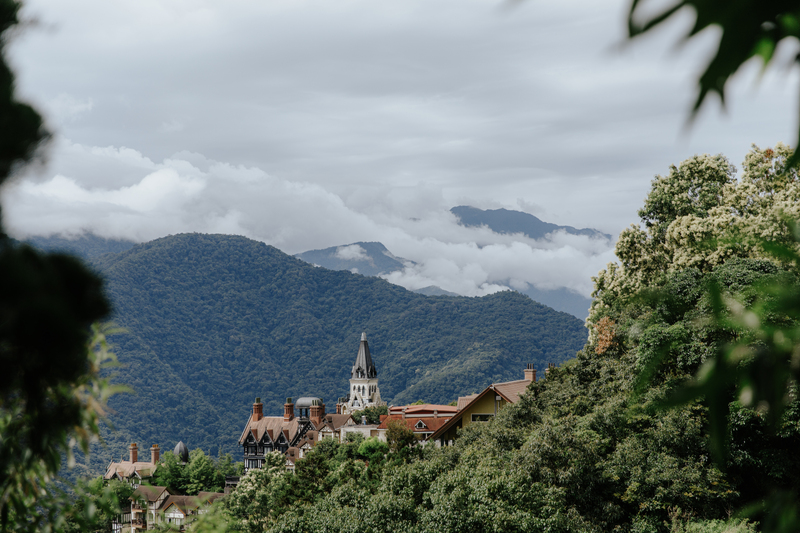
x=363, y=336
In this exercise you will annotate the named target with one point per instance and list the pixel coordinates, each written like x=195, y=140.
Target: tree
x=97, y=493
x=373, y=414
x=51, y=389
x=399, y=436
x=203, y=474
x=722, y=309
x=172, y=474
x=257, y=498
x=750, y=28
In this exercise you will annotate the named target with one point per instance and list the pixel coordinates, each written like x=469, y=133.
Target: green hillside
x=214, y=321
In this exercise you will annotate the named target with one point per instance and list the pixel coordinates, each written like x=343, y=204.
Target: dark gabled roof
x=191, y=503
x=209, y=497
x=273, y=425
x=363, y=367
x=512, y=390
x=184, y=503
x=126, y=469
x=334, y=421
x=149, y=493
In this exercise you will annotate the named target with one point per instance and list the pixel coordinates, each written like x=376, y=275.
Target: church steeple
x=363, y=368
x=364, y=390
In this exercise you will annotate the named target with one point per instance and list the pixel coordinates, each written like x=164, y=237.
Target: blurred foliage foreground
x=52, y=395
x=679, y=415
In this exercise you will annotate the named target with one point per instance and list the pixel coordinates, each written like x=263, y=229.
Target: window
x=481, y=417
x=420, y=425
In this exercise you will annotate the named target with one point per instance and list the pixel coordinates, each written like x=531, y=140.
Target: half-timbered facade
x=267, y=434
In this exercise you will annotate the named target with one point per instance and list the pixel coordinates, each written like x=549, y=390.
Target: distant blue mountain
x=510, y=222
x=433, y=290
x=374, y=259
x=561, y=299
x=365, y=258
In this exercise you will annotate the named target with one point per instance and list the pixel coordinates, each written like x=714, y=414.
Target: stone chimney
x=288, y=410
x=530, y=372
x=155, y=453
x=258, y=410
x=134, y=449
x=547, y=370
x=317, y=412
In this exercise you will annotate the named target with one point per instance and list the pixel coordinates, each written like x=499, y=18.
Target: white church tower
x=364, y=390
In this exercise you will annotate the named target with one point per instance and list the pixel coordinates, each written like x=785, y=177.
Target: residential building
x=267, y=434
x=332, y=425
x=134, y=471
x=422, y=419
x=483, y=406
x=152, y=506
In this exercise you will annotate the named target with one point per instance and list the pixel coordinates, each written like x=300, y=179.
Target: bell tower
x=364, y=390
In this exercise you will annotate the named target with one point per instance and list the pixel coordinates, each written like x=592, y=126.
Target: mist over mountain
x=510, y=222
x=366, y=258
x=213, y=321
x=374, y=259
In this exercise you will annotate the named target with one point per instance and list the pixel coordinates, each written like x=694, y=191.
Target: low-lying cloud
x=189, y=192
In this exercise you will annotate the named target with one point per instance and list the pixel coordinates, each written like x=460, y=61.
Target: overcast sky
x=308, y=124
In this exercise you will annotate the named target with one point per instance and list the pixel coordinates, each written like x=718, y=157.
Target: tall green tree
x=749, y=29
x=51, y=389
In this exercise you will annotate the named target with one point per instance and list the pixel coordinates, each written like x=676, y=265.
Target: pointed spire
x=364, y=367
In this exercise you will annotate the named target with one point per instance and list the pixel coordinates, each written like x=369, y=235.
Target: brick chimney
x=317, y=412
x=547, y=370
x=258, y=410
x=155, y=453
x=530, y=372
x=134, y=450
x=288, y=410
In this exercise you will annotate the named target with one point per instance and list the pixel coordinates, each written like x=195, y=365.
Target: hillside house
x=153, y=506
x=332, y=425
x=134, y=471
x=423, y=419
x=483, y=406
x=267, y=434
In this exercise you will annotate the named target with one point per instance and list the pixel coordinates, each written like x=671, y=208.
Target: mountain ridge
x=508, y=221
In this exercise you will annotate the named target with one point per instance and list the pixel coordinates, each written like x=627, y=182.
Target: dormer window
x=420, y=425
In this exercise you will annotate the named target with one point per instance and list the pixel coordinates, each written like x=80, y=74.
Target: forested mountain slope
x=214, y=321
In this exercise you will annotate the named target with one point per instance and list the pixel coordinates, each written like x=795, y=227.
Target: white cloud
x=308, y=124
x=190, y=192
x=353, y=252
